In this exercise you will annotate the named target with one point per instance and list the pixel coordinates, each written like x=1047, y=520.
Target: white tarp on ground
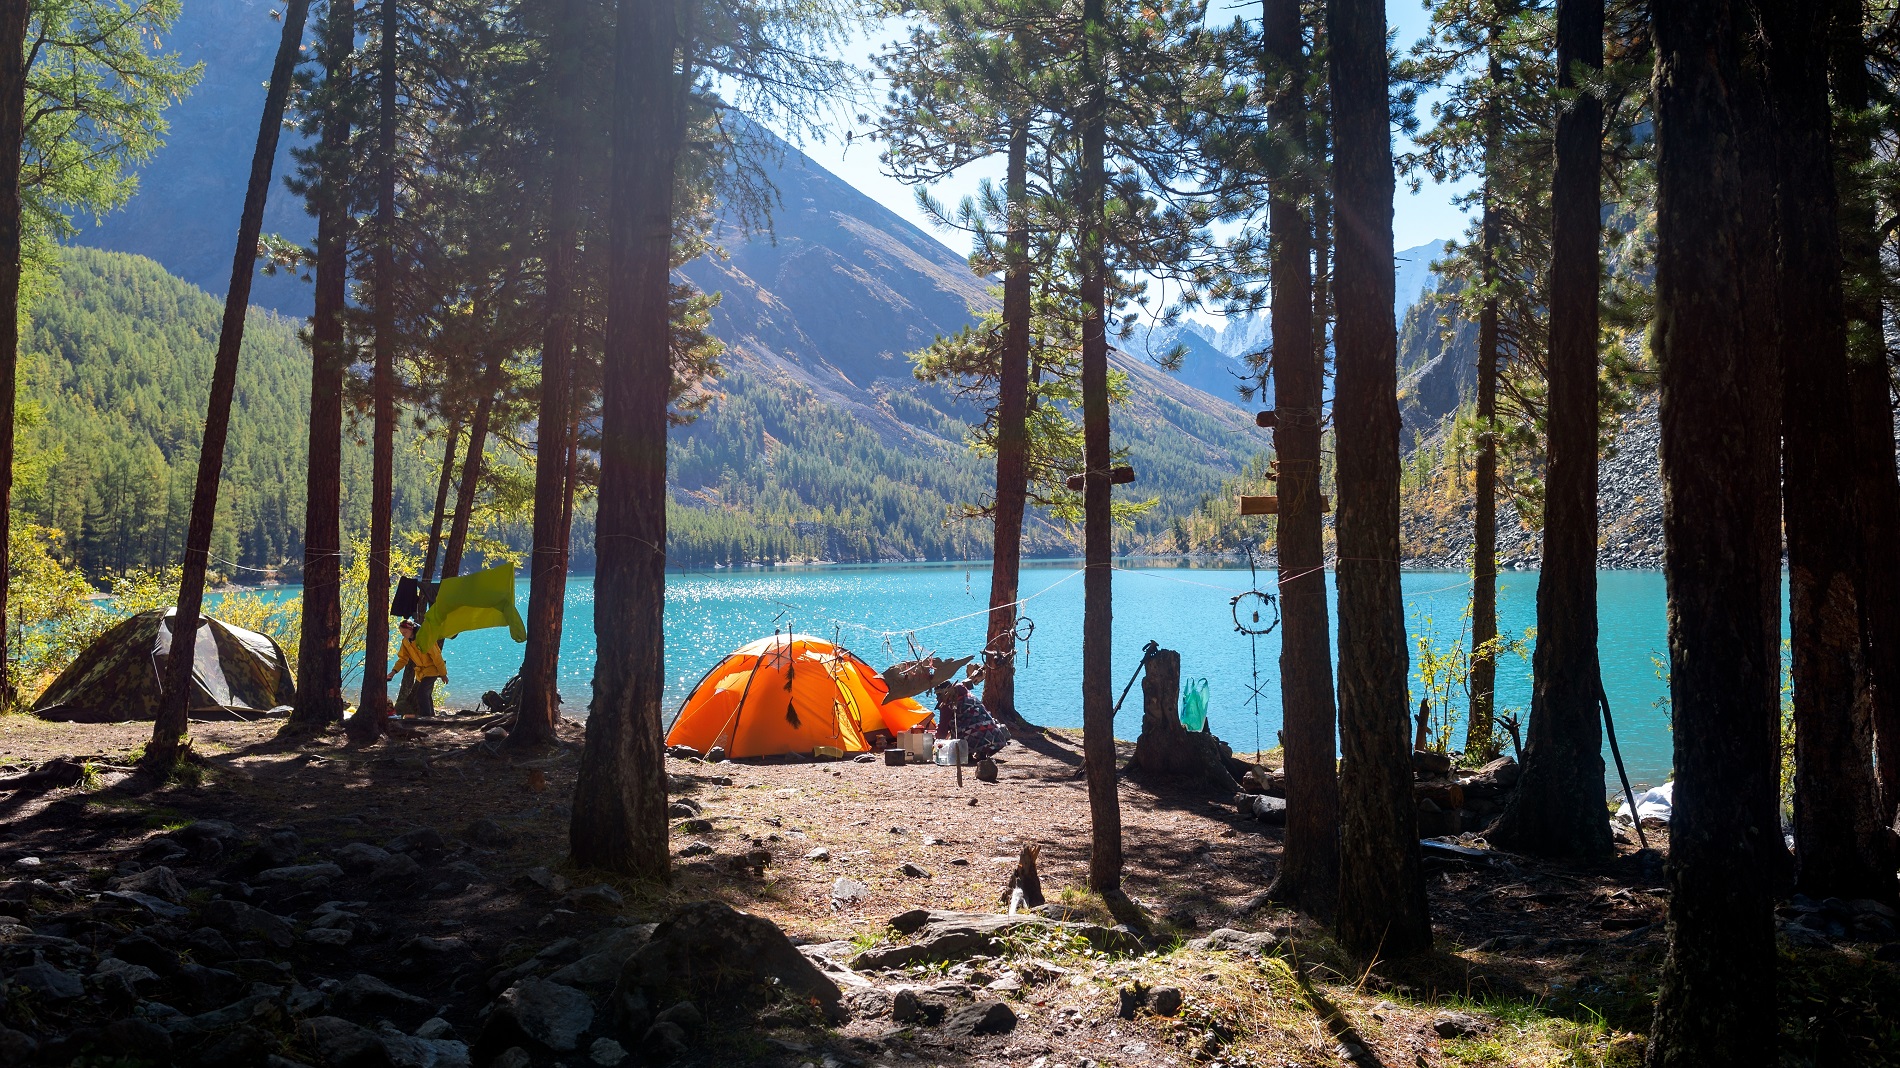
x=1657, y=804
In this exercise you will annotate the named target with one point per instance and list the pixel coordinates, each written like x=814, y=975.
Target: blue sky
x=1426, y=216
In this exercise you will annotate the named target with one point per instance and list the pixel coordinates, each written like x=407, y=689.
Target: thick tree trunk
x=547, y=585
x=168, y=730
x=1381, y=908
x=13, y=20
x=1871, y=397
x=446, y=478
x=1098, y=701
x=1309, y=867
x=1484, y=548
x=620, y=798
x=472, y=469
x=1719, y=414
x=1840, y=845
x=320, y=645
x=1012, y=440
x=1557, y=809
x=373, y=707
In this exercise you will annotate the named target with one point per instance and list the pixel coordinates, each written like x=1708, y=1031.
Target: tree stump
x=1165, y=747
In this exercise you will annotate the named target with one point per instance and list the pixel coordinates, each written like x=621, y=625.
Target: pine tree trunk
x=547, y=581
x=1381, y=908
x=619, y=819
x=13, y=20
x=1871, y=398
x=1012, y=435
x=1098, y=701
x=373, y=707
x=320, y=644
x=1557, y=809
x=442, y=483
x=1309, y=867
x=1719, y=417
x=168, y=730
x=1484, y=535
x=1840, y=844
x=472, y=469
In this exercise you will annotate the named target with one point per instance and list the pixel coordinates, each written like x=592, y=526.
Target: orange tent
x=789, y=694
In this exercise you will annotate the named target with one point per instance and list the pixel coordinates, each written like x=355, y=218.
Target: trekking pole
x=1147, y=651
x=1609, y=731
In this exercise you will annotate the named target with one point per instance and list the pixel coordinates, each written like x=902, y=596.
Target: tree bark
x=472, y=468
x=1719, y=416
x=1871, y=398
x=442, y=484
x=540, y=703
x=1012, y=437
x=1557, y=808
x=619, y=819
x=1484, y=549
x=13, y=22
x=1098, y=705
x=320, y=644
x=372, y=709
x=1308, y=878
x=1381, y=908
x=168, y=730
x=1841, y=846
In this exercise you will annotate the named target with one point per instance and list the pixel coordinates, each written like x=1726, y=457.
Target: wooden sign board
x=1271, y=505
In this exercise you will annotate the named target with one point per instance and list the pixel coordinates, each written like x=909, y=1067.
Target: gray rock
x=486, y=832
x=202, y=830
x=915, y=871
x=48, y=982
x=162, y=848
x=1226, y=939
x=664, y=1042
x=601, y=897
x=693, y=826
x=420, y=840
x=260, y=1007
x=602, y=966
x=606, y=1052
x=131, y=1035
x=685, y=1014
x=513, y=1056
x=695, y=849
x=279, y=849
x=360, y=856
x=329, y=936
x=983, y=1018
x=435, y=1027
x=550, y=1013
x=821, y=853
x=246, y=922
x=301, y=873
x=275, y=1061
x=1166, y=1000
x=240, y=1047
x=412, y=1051
x=367, y=994
x=123, y=973
x=157, y=906
x=709, y=949
x=158, y=881
x=1455, y=1026
x=847, y=892
x=907, y=1006
x=16, y=1047
x=398, y=867
x=338, y=1043
x=547, y=880
x=684, y=808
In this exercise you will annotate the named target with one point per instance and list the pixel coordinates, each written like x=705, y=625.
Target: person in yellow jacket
x=418, y=699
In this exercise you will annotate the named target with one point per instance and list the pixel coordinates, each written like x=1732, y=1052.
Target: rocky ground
x=408, y=904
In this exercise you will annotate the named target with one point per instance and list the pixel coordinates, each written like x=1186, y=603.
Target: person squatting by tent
x=417, y=697
x=960, y=715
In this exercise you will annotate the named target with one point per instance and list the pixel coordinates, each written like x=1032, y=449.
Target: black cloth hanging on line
x=408, y=593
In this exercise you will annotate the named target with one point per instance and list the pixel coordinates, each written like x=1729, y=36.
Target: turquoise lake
x=871, y=609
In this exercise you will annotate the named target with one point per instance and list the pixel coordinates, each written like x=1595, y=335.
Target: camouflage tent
x=236, y=674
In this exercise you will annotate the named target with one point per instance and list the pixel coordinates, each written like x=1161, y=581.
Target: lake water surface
x=871, y=608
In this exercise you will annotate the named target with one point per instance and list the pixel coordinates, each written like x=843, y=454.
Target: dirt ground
x=1535, y=963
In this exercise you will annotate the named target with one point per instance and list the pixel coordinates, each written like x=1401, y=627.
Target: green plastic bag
x=1194, y=704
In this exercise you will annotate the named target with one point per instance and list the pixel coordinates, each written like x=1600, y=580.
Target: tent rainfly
x=236, y=674
x=789, y=693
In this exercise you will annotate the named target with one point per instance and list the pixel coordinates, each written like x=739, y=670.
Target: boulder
x=158, y=881
x=1165, y=1000
x=606, y=1052
x=338, y=1043
x=601, y=967
x=367, y=994
x=246, y=922
x=549, y=1013
x=488, y=833
x=48, y=982
x=1226, y=939
x=16, y=1047
x=420, y=840
x=982, y=1018
x=398, y=867
x=709, y=952
x=301, y=873
x=360, y=856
